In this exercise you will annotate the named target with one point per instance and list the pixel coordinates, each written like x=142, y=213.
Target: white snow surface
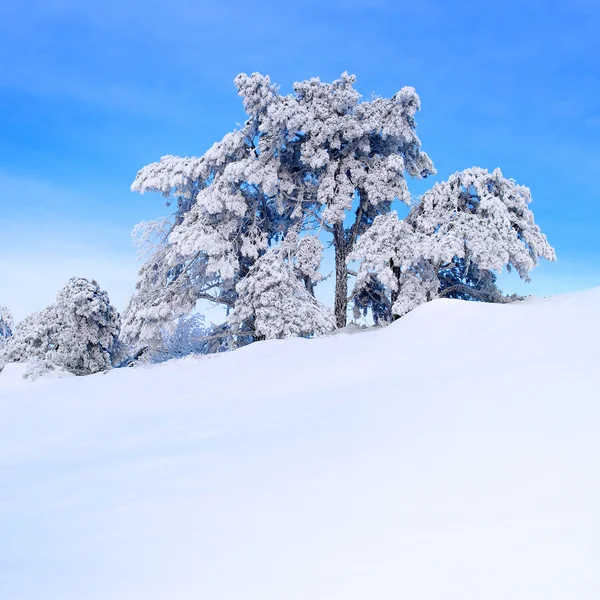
x=452, y=455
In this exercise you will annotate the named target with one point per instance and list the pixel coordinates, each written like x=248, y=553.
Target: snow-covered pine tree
x=32, y=338
x=300, y=162
x=358, y=154
x=450, y=244
x=273, y=303
x=232, y=204
x=79, y=333
x=87, y=340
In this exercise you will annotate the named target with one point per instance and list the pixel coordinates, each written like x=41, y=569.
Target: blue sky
x=91, y=92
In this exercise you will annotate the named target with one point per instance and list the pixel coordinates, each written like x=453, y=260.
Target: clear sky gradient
x=92, y=91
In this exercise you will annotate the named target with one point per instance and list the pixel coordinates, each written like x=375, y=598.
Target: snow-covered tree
x=358, y=154
x=87, y=340
x=229, y=210
x=32, y=338
x=6, y=325
x=483, y=218
x=298, y=164
x=461, y=231
x=79, y=333
x=273, y=303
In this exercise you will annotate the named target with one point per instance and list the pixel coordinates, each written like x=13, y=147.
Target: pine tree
x=461, y=232
x=87, y=339
x=298, y=165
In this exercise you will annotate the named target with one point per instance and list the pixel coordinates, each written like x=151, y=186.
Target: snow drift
x=452, y=455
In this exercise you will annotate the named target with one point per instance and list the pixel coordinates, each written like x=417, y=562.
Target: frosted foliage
x=221, y=241
x=147, y=236
x=416, y=286
x=355, y=146
x=392, y=252
x=227, y=226
x=309, y=253
x=6, y=324
x=297, y=162
x=388, y=244
x=186, y=338
x=481, y=218
x=37, y=367
x=78, y=334
x=218, y=227
x=175, y=176
x=275, y=304
x=33, y=337
x=162, y=296
x=87, y=339
x=484, y=218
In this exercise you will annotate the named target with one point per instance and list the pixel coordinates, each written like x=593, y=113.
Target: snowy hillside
x=453, y=455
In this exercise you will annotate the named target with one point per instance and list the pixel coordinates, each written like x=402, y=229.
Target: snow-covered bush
x=188, y=337
x=33, y=337
x=273, y=303
x=37, y=367
x=78, y=334
x=449, y=245
x=87, y=341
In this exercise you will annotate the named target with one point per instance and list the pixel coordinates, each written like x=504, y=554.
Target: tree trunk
x=341, y=275
x=310, y=288
x=396, y=271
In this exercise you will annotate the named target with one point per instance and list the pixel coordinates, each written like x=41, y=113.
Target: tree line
x=315, y=171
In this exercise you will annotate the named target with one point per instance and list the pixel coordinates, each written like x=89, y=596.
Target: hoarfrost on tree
x=298, y=163
x=274, y=304
x=87, y=340
x=476, y=220
x=164, y=292
x=32, y=338
x=188, y=337
x=358, y=154
x=79, y=333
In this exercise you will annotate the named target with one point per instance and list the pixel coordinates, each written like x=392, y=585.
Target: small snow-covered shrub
x=187, y=338
x=33, y=338
x=36, y=368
